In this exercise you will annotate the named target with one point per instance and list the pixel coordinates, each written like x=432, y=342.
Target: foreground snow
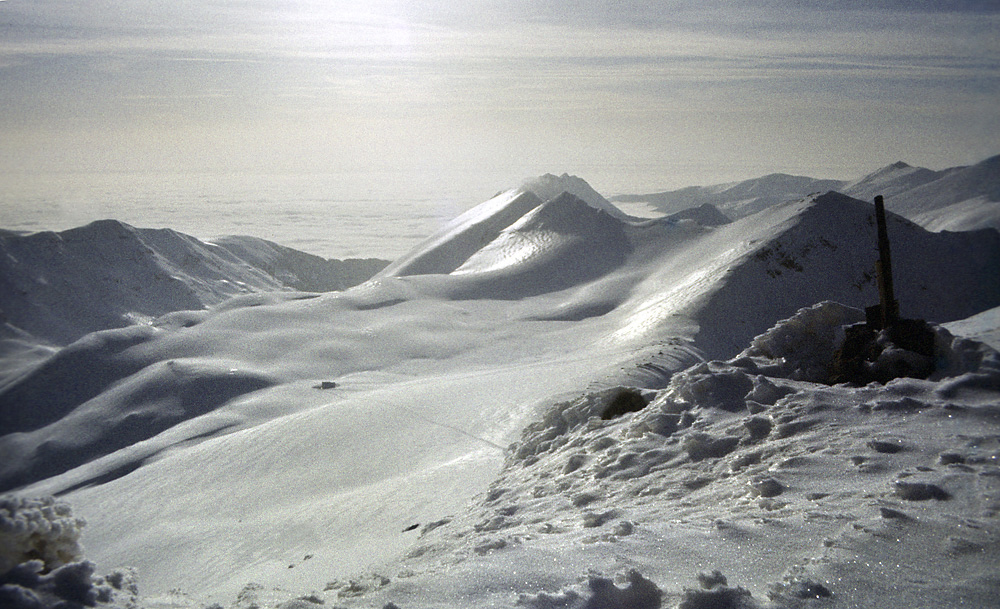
x=519, y=412
x=744, y=483
x=794, y=490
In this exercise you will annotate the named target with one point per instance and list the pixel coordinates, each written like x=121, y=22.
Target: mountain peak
x=563, y=212
x=550, y=186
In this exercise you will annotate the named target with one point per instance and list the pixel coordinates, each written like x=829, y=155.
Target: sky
x=666, y=94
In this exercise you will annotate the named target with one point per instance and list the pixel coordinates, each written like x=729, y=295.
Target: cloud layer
x=525, y=87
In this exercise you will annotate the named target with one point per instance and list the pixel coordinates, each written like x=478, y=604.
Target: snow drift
x=748, y=467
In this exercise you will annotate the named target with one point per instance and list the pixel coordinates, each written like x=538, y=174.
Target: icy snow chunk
x=42, y=528
x=765, y=486
x=805, y=343
x=919, y=491
x=799, y=589
x=700, y=445
x=550, y=433
x=719, y=597
x=604, y=594
x=766, y=392
x=758, y=427
x=713, y=384
x=41, y=559
x=27, y=586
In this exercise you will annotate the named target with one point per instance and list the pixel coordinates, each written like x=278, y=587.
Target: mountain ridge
x=957, y=198
x=366, y=429
x=59, y=286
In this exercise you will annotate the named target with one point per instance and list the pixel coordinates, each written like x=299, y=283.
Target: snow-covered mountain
x=550, y=186
x=957, y=199
x=960, y=198
x=521, y=412
x=60, y=286
x=892, y=180
x=736, y=199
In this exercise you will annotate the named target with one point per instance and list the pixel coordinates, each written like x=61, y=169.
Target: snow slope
x=962, y=198
x=107, y=274
x=433, y=437
x=956, y=199
x=57, y=287
x=736, y=199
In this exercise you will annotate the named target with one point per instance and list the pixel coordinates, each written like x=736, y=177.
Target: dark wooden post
x=888, y=306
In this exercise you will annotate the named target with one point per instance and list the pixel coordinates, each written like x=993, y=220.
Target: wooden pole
x=887, y=301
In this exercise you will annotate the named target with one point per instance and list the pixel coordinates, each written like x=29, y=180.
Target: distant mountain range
x=959, y=198
x=581, y=264
x=60, y=286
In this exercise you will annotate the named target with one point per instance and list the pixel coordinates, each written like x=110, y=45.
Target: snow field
x=520, y=412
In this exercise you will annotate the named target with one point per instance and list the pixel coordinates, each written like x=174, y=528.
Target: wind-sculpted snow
x=70, y=377
x=134, y=409
x=560, y=244
x=794, y=489
x=519, y=412
x=447, y=249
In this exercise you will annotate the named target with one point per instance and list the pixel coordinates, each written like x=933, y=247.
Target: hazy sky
x=697, y=91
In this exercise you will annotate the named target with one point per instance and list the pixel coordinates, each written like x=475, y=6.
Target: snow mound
x=561, y=243
x=640, y=593
x=452, y=246
x=705, y=214
x=805, y=343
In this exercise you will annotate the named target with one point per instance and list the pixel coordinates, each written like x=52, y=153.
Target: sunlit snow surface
x=461, y=459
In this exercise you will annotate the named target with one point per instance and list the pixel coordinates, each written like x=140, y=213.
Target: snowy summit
x=548, y=403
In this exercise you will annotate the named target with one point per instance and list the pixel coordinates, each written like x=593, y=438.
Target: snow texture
x=546, y=404
x=41, y=562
